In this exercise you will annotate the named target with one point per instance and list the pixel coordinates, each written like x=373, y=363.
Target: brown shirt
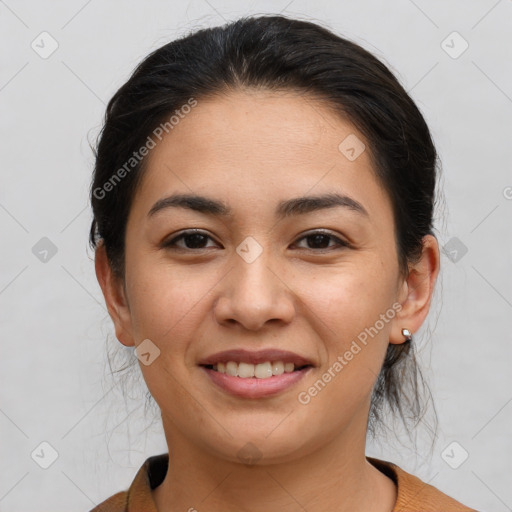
x=414, y=495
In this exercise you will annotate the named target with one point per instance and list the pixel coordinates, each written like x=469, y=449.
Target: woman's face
x=257, y=279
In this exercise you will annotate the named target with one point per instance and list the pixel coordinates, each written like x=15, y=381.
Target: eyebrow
x=287, y=208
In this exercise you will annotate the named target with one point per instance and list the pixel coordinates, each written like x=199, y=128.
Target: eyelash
x=171, y=244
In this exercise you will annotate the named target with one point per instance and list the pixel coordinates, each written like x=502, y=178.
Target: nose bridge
x=253, y=293
x=254, y=278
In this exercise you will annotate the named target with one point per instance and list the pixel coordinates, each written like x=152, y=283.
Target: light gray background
x=55, y=387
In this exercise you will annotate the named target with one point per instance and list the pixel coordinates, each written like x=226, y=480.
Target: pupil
x=197, y=240
x=317, y=240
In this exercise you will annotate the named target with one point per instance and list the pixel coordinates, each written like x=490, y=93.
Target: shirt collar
x=150, y=475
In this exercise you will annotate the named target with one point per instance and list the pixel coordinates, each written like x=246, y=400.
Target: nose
x=254, y=294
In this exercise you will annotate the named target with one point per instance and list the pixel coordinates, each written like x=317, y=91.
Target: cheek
x=347, y=299
x=344, y=307
x=165, y=300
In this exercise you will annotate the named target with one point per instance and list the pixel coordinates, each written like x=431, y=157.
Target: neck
x=335, y=476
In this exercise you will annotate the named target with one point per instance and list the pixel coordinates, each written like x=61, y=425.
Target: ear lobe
x=417, y=290
x=115, y=296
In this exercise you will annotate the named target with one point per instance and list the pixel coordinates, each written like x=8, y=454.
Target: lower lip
x=254, y=387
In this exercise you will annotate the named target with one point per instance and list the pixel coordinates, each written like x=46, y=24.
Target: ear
x=416, y=291
x=114, y=293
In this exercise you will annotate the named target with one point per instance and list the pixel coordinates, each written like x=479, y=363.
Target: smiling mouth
x=263, y=370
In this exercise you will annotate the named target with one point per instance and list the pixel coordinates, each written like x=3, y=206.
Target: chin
x=256, y=447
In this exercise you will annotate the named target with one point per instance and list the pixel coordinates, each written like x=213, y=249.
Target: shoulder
x=414, y=495
x=116, y=503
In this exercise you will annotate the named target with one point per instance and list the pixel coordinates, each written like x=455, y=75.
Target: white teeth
x=277, y=368
x=263, y=370
x=245, y=370
x=232, y=368
x=288, y=367
x=259, y=371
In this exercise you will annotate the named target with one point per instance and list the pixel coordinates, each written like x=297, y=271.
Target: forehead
x=266, y=125
x=256, y=145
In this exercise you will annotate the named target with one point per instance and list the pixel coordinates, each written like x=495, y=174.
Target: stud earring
x=407, y=334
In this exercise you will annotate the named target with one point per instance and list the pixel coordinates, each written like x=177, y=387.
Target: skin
x=252, y=149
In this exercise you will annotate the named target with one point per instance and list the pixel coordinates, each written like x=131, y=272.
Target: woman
x=263, y=199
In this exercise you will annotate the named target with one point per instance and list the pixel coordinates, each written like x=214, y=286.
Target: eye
x=193, y=239
x=196, y=239
x=320, y=240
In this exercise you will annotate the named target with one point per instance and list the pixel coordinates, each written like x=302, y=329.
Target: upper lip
x=260, y=356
